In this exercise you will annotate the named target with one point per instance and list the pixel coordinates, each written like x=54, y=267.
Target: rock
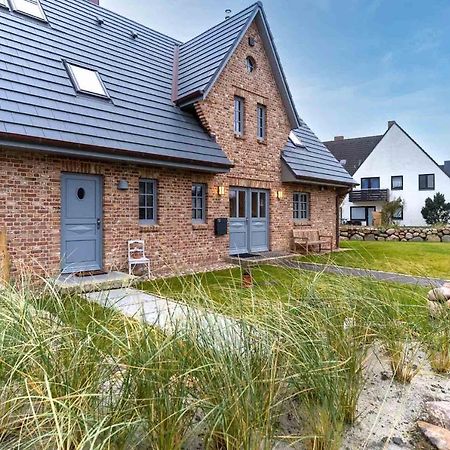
x=440, y=294
x=409, y=236
x=390, y=231
x=392, y=238
x=439, y=413
x=433, y=238
x=445, y=238
x=344, y=238
x=369, y=237
x=446, y=231
x=417, y=239
x=356, y=237
x=438, y=436
x=435, y=308
x=398, y=440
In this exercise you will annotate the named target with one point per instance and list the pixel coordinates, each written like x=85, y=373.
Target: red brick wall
x=30, y=199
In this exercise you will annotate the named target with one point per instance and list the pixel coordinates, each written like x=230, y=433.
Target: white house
x=387, y=167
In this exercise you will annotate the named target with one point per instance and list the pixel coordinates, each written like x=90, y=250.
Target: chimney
x=447, y=167
x=95, y=2
x=339, y=138
x=390, y=123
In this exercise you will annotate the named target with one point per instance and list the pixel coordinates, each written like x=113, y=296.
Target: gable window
x=238, y=116
x=31, y=8
x=147, y=202
x=261, y=125
x=87, y=81
x=426, y=182
x=301, y=206
x=370, y=183
x=397, y=182
x=198, y=203
x=250, y=64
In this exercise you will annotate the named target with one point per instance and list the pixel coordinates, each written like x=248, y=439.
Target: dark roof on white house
x=313, y=161
x=147, y=76
x=446, y=167
x=353, y=151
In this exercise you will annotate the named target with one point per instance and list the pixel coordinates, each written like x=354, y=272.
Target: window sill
x=149, y=228
x=302, y=223
x=262, y=141
x=199, y=226
x=239, y=136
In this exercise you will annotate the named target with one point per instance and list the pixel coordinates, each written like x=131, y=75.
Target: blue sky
x=352, y=65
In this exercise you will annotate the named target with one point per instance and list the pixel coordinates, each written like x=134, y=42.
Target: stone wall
x=404, y=234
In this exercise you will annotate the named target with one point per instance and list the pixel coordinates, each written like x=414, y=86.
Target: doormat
x=245, y=255
x=90, y=273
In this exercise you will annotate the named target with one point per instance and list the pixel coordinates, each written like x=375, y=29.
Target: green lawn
x=223, y=291
x=429, y=259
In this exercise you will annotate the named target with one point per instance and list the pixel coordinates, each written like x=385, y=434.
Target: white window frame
x=239, y=114
x=73, y=78
x=4, y=4
x=262, y=121
x=150, y=201
x=16, y=6
x=301, y=206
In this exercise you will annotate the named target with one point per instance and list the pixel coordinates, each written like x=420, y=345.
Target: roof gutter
x=125, y=157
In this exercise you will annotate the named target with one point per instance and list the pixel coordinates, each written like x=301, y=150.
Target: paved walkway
x=171, y=316
x=378, y=275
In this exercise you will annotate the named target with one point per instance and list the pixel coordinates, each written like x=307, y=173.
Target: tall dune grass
x=78, y=376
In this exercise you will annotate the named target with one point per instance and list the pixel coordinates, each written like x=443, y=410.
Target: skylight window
x=87, y=81
x=31, y=8
x=295, y=139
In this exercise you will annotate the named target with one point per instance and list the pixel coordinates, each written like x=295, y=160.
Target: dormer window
x=31, y=8
x=295, y=139
x=87, y=81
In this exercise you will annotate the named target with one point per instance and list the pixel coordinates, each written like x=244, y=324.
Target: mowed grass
x=427, y=259
x=224, y=292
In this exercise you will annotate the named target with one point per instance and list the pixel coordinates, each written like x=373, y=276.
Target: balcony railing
x=369, y=195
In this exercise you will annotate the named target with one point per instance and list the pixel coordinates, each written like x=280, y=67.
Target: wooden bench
x=311, y=238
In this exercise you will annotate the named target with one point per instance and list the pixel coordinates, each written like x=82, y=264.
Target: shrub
x=436, y=210
x=389, y=211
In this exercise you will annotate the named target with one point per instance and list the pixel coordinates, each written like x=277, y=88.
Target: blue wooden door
x=259, y=233
x=249, y=212
x=238, y=221
x=81, y=223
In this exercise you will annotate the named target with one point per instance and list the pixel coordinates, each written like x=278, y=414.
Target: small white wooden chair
x=136, y=256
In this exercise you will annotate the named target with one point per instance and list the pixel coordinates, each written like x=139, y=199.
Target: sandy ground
x=388, y=410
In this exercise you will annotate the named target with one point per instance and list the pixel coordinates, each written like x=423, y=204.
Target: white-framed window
x=198, y=203
x=239, y=116
x=4, y=3
x=426, y=182
x=397, y=182
x=147, y=201
x=301, y=205
x=31, y=8
x=86, y=80
x=261, y=125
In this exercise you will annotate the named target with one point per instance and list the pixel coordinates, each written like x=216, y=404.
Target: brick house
x=110, y=131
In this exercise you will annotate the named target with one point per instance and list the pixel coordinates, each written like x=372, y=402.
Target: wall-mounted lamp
x=221, y=190
x=122, y=185
x=279, y=195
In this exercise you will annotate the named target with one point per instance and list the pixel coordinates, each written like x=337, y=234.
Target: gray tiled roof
x=201, y=57
x=354, y=151
x=313, y=161
x=37, y=98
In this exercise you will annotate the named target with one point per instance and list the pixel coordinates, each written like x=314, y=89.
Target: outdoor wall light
x=279, y=195
x=221, y=190
x=122, y=185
